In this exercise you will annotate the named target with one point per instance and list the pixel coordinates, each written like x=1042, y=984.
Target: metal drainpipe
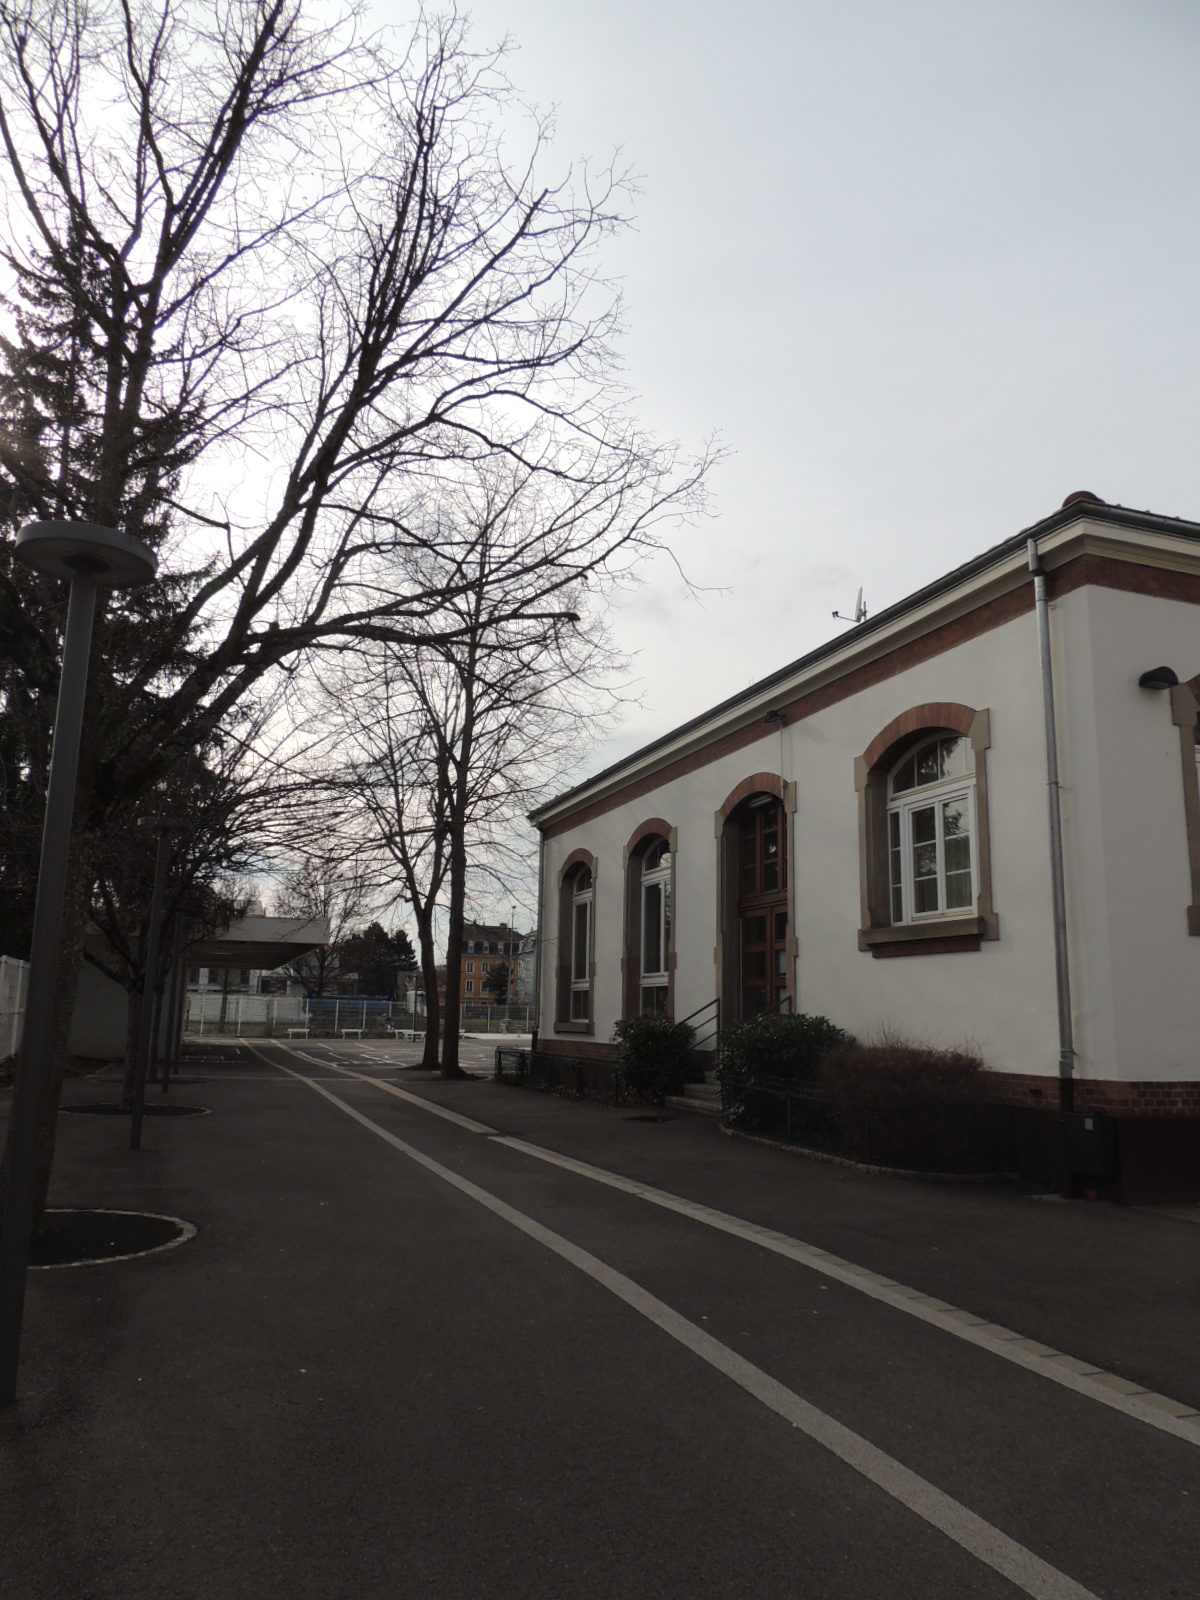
x=1062, y=972
x=537, y=944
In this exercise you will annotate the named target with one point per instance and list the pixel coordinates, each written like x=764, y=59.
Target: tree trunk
x=133, y=1034
x=70, y=961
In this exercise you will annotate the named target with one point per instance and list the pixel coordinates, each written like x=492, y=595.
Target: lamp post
x=89, y=558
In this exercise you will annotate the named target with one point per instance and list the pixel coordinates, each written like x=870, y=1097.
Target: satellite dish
x=860, y=611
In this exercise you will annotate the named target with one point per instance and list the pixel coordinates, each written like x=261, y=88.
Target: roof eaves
x=994, y=556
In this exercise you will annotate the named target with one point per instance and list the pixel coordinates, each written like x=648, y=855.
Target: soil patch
x=72, y=1237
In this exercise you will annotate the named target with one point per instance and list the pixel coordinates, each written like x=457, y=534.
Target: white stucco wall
x=1128, y=861
x=1135, y=972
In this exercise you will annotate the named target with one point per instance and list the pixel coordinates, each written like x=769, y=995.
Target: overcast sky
x=926, y=267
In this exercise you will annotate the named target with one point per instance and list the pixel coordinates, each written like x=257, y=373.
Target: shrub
x=655, y=1057
x=787, y=1048
x=890, y=1068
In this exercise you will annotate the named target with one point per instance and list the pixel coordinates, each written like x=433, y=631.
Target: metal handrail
x=713, y=1005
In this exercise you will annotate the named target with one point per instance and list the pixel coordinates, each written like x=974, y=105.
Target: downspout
x=1062, y=973
x=537, y=944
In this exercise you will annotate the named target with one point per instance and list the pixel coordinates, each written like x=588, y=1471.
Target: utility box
x=1090, y=1144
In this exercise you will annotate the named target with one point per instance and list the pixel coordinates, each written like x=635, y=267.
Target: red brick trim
x=1103, y=571
x=653, y=827
x=757, y=783
x=577, y=858
x=918, y=719
x=1153, y=1098
x=994, y=614
x=1131, y=577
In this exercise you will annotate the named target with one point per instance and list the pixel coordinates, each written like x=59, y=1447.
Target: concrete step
x=702, y=1097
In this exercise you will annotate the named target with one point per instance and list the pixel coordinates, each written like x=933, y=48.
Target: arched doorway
x=760, y=829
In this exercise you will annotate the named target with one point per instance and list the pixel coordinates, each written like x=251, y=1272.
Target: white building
x=865, y=835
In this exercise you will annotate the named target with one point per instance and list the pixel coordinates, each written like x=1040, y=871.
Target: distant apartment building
x=485, y=947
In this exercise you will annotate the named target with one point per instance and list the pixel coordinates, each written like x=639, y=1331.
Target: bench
x=292, y=1032
x=346, y=1032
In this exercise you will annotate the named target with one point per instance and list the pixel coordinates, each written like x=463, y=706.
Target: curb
x=911, y=1173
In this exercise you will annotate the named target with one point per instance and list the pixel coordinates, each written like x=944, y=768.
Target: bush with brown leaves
x=891, y=1068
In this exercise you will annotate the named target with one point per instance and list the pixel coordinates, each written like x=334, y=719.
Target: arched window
x=655, y=929
x=582, y=899
x=575, y=966
x=931, y=826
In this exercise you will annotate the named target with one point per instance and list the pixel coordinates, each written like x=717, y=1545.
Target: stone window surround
x=562, y=975
x=1185, y=714
x=631, y=946
x=945, y=935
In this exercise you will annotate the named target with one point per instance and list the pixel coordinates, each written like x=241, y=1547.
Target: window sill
x=940, y=936
x=573, y=1027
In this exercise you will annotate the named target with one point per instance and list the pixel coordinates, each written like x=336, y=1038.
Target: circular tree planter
x=78, y=1238
x=110, y=1108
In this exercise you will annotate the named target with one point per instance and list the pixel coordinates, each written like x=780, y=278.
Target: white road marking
x=444, y=1112
x=1069, y=1372
x=1131, y=1399
x=979, y=1538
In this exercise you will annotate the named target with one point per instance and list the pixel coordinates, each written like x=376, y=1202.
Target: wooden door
x=762, y=906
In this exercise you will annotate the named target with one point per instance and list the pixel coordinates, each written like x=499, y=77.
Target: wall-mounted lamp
x=1158, y=678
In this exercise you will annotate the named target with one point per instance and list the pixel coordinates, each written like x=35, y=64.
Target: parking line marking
x=971, y=1532
x=1131, y=1399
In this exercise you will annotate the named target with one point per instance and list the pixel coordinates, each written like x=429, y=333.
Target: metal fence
x=579, y=1077
x=276, y=1016
x=962, y=1137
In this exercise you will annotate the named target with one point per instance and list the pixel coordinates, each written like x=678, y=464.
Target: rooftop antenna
x=860, y=611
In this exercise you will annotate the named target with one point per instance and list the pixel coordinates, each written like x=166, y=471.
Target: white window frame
x=658, y=877
x=582, y=899
x=936, y=795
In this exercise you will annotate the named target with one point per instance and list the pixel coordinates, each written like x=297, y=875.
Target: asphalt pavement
x=470, y=1340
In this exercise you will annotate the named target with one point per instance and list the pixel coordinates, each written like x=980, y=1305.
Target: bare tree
x=285, y=278
x=325, y=884
x=453, y=743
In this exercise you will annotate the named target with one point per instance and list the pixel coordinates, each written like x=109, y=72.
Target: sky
x=925, y=269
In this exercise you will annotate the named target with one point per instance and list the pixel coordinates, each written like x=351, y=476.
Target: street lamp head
x=64, y=549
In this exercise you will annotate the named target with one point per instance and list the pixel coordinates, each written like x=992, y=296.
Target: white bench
x=346, y=1032
x=292, y=1032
